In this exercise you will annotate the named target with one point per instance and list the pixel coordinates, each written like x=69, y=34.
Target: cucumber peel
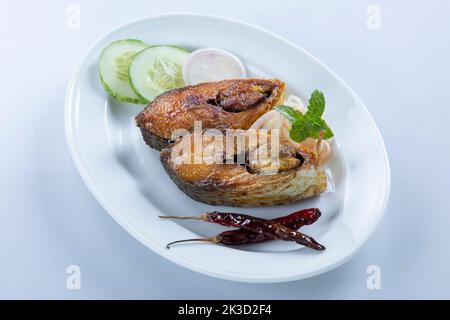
x=113, y=68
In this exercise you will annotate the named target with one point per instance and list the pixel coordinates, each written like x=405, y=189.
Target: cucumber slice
x=157, y=69
x=114, y=64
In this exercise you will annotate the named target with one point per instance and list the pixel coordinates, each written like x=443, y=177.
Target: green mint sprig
x=310, y=124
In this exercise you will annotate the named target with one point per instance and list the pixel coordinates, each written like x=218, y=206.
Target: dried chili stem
x=209, y=239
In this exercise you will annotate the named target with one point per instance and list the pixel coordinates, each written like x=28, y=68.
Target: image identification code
x=226, y=309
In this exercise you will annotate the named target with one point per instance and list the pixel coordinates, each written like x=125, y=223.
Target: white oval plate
x=128, y=180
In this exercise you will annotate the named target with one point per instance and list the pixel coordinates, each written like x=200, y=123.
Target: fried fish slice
x=233, y=104
x=294, y=176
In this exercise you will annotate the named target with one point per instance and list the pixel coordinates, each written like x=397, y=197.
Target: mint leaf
x=311, y=124
x=319, y=125
x=316, y=105
x=290, y=113
x=300, y=131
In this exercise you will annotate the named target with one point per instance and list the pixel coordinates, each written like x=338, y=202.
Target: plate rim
x=94, y=187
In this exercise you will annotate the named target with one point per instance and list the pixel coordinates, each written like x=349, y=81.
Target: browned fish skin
x=233, y=104
x=239, y=186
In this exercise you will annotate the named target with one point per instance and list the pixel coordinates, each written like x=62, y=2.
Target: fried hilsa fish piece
x=296, y=174
x=227, y=104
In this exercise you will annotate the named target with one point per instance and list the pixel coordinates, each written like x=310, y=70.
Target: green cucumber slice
x=157, y=69
x=113, y=66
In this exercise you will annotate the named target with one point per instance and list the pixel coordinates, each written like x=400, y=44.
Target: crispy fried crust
x=234, y=104
x=153, y=140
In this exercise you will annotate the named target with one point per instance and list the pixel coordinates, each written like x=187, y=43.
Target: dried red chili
x=294, y=221
x=299, y=218
x=262, y=228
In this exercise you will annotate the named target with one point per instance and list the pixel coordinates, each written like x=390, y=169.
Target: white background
x=49, y=220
